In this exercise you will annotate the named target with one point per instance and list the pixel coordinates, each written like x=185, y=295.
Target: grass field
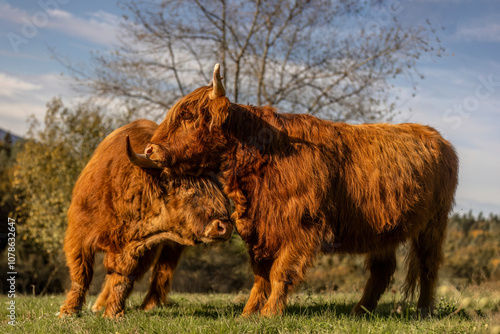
x=475, y=310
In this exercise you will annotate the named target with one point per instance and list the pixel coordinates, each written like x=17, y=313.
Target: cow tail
x=413, y=273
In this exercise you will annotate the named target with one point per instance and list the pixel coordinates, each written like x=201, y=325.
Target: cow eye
x=187, y=117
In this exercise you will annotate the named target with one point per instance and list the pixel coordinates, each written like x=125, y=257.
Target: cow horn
x=218, y=87
x=140, y=160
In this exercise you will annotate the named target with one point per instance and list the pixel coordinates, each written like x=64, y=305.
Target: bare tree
x=332, y=59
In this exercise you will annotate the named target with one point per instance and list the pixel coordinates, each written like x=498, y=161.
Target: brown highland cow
x=136, y=214
x=302, y=185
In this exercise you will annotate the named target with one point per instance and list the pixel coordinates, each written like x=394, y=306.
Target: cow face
x=200, y=210
x=190, y=140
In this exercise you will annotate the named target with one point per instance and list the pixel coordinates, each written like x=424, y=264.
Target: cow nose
x=149, y=150
x=222, y=229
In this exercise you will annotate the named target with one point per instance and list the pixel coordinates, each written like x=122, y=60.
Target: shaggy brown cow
x=131, y=213
x=302, y=185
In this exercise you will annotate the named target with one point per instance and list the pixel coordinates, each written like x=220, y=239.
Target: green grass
x=471, y=311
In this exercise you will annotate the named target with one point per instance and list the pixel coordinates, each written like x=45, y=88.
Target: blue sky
x=460, y=94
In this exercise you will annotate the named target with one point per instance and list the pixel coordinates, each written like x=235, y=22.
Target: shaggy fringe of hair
x=199, y=101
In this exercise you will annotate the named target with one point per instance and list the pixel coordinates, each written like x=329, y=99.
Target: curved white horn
x=140, y=160
x=218, y=87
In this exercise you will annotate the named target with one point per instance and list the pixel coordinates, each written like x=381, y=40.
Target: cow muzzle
x=152, y=151
x=140, y=160
x=159, y=155
x=218, y=230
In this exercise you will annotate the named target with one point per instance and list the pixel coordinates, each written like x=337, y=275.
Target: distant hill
x=3, y=133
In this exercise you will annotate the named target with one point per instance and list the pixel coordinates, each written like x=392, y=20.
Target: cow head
x=199, y=209
x=190, y=140
x=196, y=208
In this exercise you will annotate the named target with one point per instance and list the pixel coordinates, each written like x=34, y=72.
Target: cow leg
x=382, y=267
x=123, y=270
x=162, y=275
x=121, y=286
x=288, y=269
x=426, y=256
x=102, y=299
x=260, y=290
x=80, y=262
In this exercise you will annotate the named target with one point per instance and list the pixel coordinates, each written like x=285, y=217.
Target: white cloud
x=11, y=14
x=106, y=17
x=29, y=95
x=11, y=86
x=99, y=27
x=485, y=29
x=59, y=13
x=21, y=55
x=486, y=33
x=479, y=179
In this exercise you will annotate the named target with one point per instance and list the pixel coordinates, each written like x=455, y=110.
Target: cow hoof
x=249, y=313
x=65, y=312
x=150, y=305
x=61, y=315
x=424, y=312
x=97, y=308
x=360, y=310
x=268, y=312
x=113, y=315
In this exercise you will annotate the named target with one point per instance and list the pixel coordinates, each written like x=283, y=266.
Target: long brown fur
x=302, y=185
x=137, y=217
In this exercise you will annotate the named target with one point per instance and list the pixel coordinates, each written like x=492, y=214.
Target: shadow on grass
x=385, y=310
x=208, y=311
